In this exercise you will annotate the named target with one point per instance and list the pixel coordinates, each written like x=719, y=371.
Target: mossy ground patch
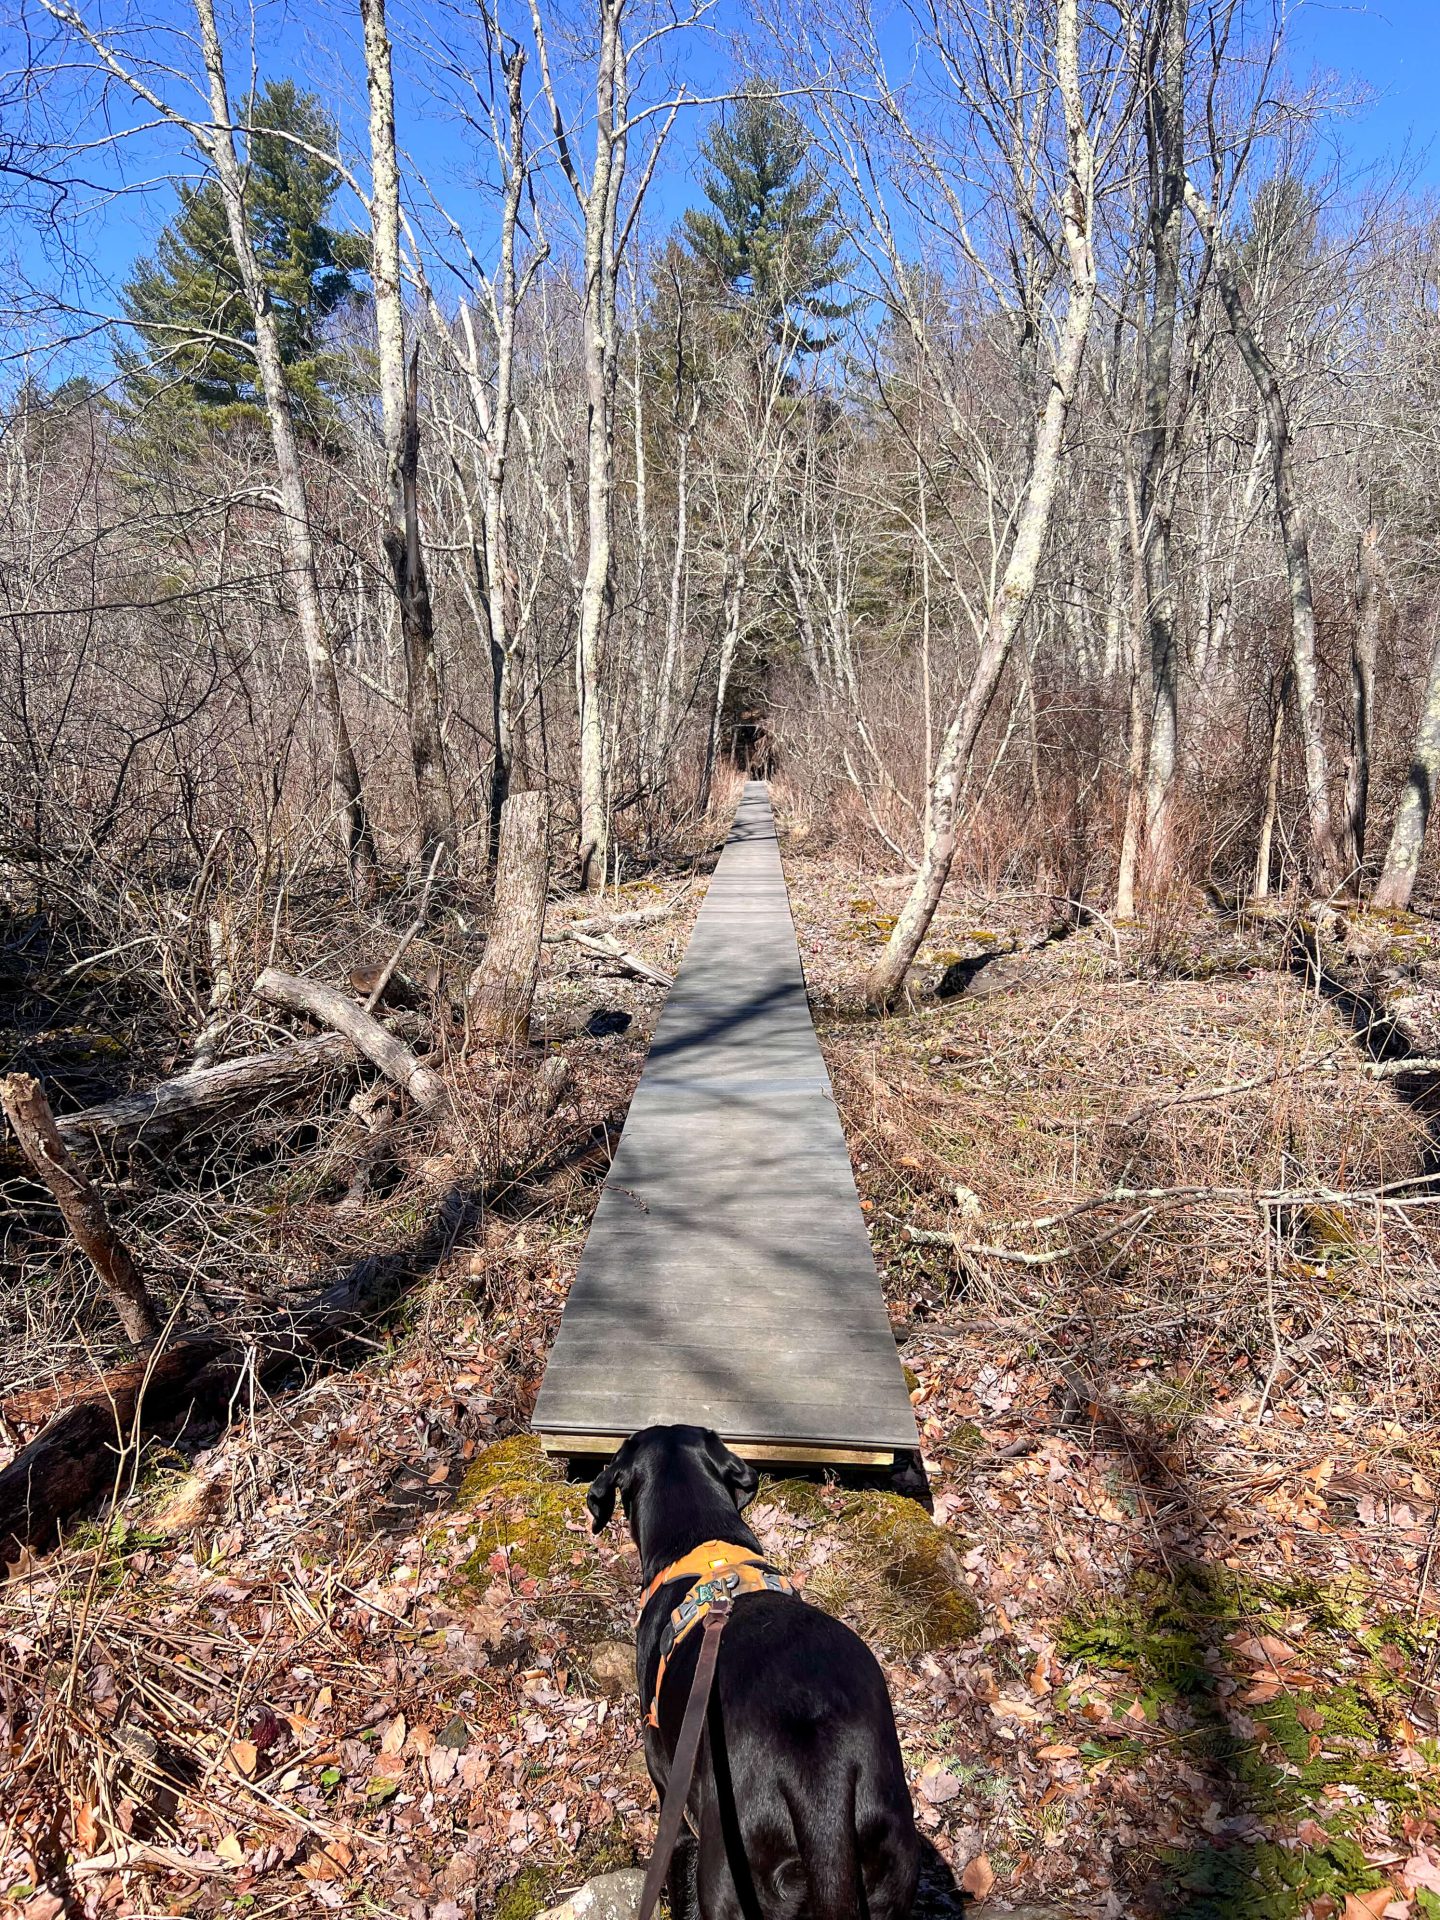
x=886, y=1568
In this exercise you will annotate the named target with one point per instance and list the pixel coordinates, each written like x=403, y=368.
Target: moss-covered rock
x=525, y=1896
x=529, y=1512
x=521, y=1457
x=802, y=1499
x=895, y=1576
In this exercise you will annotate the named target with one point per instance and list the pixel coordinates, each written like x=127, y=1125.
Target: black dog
x=799, y=1799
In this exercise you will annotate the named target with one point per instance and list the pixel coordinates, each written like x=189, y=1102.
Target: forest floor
x=1153, y=1214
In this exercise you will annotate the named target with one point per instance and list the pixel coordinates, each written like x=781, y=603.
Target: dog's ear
x=611, y=1480
x=739, y=1476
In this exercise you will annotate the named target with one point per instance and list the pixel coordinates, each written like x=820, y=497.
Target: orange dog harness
x=716, y=1570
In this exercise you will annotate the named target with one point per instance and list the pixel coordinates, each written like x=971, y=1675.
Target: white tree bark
x=1364, y=646
x=1407, y=837
x=598, y=200
x=1009, y=604
x=1294, y=524
x=400, y=433
x=297, y=536
x=1165, y=143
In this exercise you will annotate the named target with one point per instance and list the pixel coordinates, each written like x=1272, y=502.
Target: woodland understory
x=445, y=449
x=1153, y=1212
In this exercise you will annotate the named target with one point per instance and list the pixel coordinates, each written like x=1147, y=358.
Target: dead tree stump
x=502, y=987
x=81, y=1206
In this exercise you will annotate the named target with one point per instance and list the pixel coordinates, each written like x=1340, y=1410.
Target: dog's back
x=798, y=1798
x=805, y=1796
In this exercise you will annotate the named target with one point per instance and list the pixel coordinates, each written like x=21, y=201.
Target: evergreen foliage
x=187, y=303
x=774, y=239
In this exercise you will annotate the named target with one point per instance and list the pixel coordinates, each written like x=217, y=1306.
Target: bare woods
x=1022, y=441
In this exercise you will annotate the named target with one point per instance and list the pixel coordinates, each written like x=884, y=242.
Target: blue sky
x=1391, y=48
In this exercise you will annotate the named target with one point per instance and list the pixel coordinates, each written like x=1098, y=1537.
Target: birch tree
x=1074, y=212
x=215, y=140
x=608, y=220
x=1293, y=522
x=400, y=439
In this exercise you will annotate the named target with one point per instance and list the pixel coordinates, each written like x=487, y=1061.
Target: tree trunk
x=205, y=1094
x=1294, y=526
x=503, y=985
x=400, y=431
x=1261, y=889
x=1165, y=145
x=1363, y=648
x=81, y=1206
x=729, y=647
x=675, y=604
x=600, y=366
x=1032, y=526
x=356, y=839
x=1407, y=837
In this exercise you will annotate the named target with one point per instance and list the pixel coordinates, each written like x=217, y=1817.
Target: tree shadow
x=1261, y=1761
x=1379, y=1034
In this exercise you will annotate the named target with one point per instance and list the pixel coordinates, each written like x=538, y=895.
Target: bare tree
x=1407, y=837
x=1293, y=518
x=400, y=435
x=1075, y=210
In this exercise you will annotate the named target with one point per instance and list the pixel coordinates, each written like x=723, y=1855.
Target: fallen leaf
x=245, y=1754
x=230, y=1849
x=1419, y=1872
x=1005, y=1709
x=1368, y=1906
x=979, y=1877
x=393, y=1738
x=1060, y=1751
x=937, y=1786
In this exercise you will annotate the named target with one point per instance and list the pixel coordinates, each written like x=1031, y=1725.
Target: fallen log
x=82, y=1206
x=89, y=1446
x=604, y=923
x=193, y=1097
x=332, y=1008
x=611, y=949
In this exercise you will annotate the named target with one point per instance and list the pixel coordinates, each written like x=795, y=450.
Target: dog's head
x=684, y=1462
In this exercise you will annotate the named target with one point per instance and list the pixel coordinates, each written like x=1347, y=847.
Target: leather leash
x=687, y=1749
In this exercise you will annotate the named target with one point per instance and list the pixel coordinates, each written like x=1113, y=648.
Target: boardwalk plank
x=727, y=1278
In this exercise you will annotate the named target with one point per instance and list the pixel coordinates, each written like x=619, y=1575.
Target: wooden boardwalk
x=728, y=1279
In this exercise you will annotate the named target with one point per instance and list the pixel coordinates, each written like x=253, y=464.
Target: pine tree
x=774, y=239
x=186, y=302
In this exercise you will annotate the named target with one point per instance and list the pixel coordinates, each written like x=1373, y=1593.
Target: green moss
x=519, y=1458
x=912, y=1379
x=896, y=1576
x=804, y=1499
x=524, y=1896
x=965, y=1441
x=537, y=1887
x=531, y=1513
x=1329, y=1233
x=1265, y=1881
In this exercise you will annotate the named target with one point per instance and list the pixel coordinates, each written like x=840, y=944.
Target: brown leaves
x=978, y=1877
